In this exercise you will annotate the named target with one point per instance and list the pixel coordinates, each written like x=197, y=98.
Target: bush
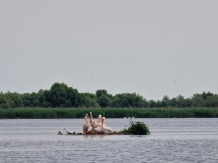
x=137, y=128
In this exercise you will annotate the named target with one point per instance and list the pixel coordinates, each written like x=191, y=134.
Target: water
x=171, y=140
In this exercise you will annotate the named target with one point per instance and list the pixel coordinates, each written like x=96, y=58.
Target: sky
x=152, y=48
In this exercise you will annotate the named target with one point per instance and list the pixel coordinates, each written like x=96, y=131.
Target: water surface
x=171, y=140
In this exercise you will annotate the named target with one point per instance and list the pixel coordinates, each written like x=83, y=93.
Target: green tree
x=152, y=103
x=63, y=96
x=14, y=99
x=88, y=100
x=2, y=101
x=128, y=100
x=72, y=97
x=165, y=101
x=101, y=92
x=212, y=101
x=104, y=101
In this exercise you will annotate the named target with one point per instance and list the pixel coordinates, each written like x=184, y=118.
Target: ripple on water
x=186, y=140
x=112, y=151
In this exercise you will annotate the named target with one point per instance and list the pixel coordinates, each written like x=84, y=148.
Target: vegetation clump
x=137, y=128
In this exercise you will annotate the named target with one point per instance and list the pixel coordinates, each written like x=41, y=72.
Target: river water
x=171, y=140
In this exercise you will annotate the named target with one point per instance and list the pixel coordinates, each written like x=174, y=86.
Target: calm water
x=171, y=140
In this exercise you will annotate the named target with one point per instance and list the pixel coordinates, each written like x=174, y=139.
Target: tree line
x=62, y=96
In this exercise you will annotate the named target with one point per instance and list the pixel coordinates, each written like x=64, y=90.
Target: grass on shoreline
x=48, y=113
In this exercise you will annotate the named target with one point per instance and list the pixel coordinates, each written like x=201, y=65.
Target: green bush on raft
x=137, y=128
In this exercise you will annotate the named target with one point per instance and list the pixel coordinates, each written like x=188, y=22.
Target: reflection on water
x=171, y=140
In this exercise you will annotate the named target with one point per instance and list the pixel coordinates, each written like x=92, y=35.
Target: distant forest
x=62, y=96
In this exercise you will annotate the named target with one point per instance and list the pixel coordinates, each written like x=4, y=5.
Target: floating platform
x=89, y=133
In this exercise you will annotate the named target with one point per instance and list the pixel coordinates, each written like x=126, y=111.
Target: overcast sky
x=150, y=47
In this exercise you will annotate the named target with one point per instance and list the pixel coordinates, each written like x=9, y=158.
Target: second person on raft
x=97, y=128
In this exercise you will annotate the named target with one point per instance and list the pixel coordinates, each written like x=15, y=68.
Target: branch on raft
x=89, y=133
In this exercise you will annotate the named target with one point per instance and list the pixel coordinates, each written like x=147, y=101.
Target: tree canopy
x=61, y=95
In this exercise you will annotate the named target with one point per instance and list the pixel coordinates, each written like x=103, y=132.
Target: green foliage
x=151, y=104
x=104, y=101
x=126, y=100
x=101, y=92
x=62, y=96
x=10, y=100
x=165, y=101
x=109, y=112
x=88, y=100
x=137, y=128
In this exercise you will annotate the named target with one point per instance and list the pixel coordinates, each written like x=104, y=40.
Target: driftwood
x=90, y=133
